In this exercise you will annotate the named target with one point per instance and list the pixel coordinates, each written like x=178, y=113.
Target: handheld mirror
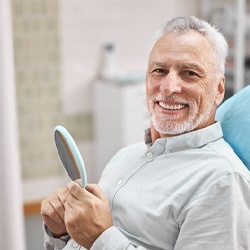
x=69, y=155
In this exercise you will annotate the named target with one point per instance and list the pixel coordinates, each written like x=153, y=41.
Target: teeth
x=171, y=107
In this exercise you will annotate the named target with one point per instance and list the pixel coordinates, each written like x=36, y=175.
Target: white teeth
x=171, y=107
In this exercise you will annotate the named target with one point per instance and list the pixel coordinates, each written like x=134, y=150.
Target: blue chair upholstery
x=234, y=115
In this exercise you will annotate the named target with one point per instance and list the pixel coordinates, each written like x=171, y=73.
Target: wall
x=37, y=62
x=87, y=26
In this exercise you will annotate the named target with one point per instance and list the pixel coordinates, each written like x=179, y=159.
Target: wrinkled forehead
x=185, y=46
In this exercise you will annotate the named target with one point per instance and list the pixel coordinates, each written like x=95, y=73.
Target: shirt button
x=119, y=182
x=149, y=155
x=75, y=245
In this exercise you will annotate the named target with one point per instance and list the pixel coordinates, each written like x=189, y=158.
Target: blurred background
x=81, y=64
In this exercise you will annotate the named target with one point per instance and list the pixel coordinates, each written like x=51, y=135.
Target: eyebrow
x=158, y=64
x=182, y=66
x=193, y=66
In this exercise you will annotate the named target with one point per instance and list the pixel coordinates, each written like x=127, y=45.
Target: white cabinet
x=120, y=118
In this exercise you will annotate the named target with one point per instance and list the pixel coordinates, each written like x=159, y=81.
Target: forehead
x=190, y=46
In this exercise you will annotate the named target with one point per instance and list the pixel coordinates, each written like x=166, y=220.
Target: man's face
x=182, y=86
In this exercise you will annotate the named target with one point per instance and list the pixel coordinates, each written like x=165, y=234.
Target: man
x=184, y=189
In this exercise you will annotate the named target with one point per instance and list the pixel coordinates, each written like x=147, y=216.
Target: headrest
x=234, y=115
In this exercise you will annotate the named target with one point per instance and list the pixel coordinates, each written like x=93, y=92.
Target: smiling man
x=184, y=85
x=184, y=188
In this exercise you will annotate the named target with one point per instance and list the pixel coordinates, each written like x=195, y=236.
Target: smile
x=172, y=107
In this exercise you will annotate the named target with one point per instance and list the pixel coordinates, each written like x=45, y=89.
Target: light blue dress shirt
x=188, y=192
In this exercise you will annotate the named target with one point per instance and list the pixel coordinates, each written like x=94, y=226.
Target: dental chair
x=234, y=115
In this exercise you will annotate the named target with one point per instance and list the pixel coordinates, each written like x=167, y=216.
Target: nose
x=171, y=84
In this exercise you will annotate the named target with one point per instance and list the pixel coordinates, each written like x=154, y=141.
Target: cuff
x=50, y=242
x=111, y=238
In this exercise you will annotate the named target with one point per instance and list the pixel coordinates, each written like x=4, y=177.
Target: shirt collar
x=194, y=139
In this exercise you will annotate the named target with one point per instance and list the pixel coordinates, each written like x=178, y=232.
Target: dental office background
x=81, y=64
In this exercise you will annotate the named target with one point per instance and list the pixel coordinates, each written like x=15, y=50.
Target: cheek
x=197, y=101
x=150, y=92
x=148, y=88
x=152, y=86
x=206, y=101
x=148, y=99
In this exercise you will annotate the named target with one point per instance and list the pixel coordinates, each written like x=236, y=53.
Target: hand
x=87, y=213
x=52, y=210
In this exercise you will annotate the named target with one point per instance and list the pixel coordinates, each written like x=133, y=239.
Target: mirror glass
x=70, y=155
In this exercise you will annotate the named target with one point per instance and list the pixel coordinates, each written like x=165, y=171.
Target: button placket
x=75, y=245
x=119, y=182
x=150, y=154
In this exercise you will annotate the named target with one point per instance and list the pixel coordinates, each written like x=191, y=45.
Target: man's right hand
x=52, y=210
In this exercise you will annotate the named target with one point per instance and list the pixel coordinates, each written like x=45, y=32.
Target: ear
x=220, y=91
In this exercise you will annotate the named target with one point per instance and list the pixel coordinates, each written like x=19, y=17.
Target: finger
x=57, y=229
x=79, y=181
x=58, y=202
x=51, y=209
x=62, y=196
x=71, y=202
x=75, y=190
x=52, y=221
x=96, y=191
x=59, y=209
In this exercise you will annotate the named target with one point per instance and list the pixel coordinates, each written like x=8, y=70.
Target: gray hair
x=214, y=36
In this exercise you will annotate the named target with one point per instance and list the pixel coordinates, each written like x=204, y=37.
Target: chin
x=173, y=127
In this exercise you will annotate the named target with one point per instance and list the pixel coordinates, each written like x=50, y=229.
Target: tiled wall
x=38, y=76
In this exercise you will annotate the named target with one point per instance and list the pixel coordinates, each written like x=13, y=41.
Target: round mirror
x=69, y=155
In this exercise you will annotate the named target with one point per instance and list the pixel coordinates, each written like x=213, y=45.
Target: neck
x=156, y=135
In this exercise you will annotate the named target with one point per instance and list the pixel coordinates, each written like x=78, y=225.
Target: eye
x=189, y=75
x=159, y=71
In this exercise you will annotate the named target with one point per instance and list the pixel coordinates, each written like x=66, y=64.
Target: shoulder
x=228, y=158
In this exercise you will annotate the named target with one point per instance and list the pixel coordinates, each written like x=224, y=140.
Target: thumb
x=96, y=191
x=75, y=190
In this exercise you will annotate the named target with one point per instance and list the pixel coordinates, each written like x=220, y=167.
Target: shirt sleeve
x=51, y=243
x=218, y=217
x=112, y=238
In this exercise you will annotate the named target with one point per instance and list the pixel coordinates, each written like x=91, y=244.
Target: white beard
x=169, y=124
